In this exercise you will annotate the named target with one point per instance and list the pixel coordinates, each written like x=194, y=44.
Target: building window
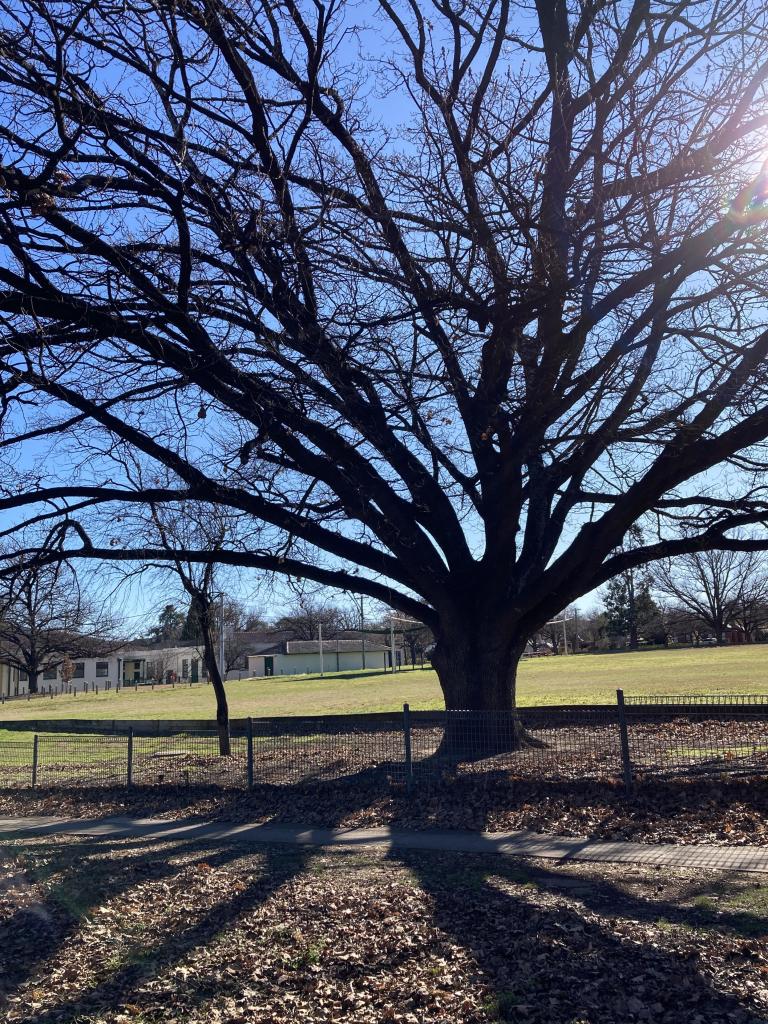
x=79, y=672
x=102, y=668
x=23, y=675
x=50, y=673
x=185, y=668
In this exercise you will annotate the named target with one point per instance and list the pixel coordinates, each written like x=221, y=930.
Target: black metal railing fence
x=635, y=739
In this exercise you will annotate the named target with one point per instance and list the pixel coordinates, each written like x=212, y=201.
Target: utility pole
x=362, y=627
x=320, y=638
x=575, y=645
x=558, y=622
x=392, y=620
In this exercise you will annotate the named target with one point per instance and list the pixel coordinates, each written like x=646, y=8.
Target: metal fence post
x=626, y=763
x=35, y=754
x=129, y=775
x=249, y=738
x=407, y=742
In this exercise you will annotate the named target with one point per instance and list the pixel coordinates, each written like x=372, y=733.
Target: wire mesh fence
x=541, y=743
x=698, y=742
x=316, y=750
x=16, y=762
x=699, y=700
x=188, y=759
x=636, y=738
x=80, y=761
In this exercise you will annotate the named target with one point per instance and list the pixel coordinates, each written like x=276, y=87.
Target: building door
x=269, y=666
x=194, y=676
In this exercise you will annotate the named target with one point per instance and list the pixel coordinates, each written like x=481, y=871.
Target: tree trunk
x=477, y=670
x=212, y=666
x=412, y=651
x=32, y=678
x=632, y=613
x=633, y=643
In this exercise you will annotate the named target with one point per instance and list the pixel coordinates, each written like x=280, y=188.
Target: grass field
x=584, y=679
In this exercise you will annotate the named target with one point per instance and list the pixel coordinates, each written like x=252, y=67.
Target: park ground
x=579, y=679
x=192, y=932
x=141, y=931
x=726, y=810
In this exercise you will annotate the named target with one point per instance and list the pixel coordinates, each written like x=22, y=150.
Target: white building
x=128, y=665
x=297, y=657
x=161, y=664
x=11, y=682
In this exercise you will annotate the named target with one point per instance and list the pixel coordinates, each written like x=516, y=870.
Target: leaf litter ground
x=727, y=810
x=185, y=932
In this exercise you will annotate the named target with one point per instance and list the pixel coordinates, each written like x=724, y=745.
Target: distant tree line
x=707, y=597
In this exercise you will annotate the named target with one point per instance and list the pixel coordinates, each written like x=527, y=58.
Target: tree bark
x=32, y=678
x=477, y=669
x=211, y=664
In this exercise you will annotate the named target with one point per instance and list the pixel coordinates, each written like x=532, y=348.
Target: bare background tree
x=445, y=349
x=751, y=613
x=170, y=530
x=160, y=665
x=239, y=619
x=719, y=588
x=45, y=617
x=303, y=619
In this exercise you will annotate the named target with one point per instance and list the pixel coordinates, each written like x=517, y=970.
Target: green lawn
x=586, y=678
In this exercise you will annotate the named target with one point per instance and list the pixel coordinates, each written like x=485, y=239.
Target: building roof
x=331, y=646
x=313, y=647
x=259, y=641
x=265, y=647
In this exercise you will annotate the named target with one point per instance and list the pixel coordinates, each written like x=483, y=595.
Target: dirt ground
x=188, y=932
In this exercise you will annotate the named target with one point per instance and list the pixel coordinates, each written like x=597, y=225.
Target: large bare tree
x=443, y=298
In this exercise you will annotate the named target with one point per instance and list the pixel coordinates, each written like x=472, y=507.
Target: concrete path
x=512, y=844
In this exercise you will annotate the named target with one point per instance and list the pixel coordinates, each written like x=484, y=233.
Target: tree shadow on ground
x=519, y=947
x=694, y=906
x=43, y=928
x=563, y=964
x=49, y=924
x=734, y=810
x=471, y=801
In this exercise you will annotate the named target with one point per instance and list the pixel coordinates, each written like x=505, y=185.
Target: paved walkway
x=512, y=844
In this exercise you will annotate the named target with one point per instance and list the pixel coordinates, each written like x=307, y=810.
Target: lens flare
x=751, y=203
